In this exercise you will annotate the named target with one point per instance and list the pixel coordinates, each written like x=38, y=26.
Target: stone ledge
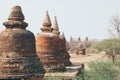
x=71, y=72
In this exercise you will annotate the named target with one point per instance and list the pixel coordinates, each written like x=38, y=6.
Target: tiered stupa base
x=69, y=74
x=67, y=61
x=52, y=61
x=20, y=68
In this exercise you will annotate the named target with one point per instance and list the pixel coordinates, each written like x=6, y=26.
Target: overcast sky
x=75, y=17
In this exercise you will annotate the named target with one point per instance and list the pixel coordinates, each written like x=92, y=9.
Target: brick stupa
x=18, y=58
x=62, y=46
x=63, y=49
x=48, y=45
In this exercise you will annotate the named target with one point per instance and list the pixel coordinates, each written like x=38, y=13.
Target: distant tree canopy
x=110, y=46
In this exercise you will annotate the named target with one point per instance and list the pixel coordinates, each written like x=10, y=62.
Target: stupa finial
x=16, y=14
x=46, y=26
x=55, y=26
x=15, y=19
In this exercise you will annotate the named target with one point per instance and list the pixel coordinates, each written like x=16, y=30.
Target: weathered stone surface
x=69, y=74
x=67, y=61
x=18, y=58
x=46, y=27
x=49, y=52
x=51, y=47
x=16, y=19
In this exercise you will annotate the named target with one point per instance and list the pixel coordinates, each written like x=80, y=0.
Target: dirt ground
x=78, y=59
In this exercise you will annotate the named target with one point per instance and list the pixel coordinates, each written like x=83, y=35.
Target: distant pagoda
x=18, y=58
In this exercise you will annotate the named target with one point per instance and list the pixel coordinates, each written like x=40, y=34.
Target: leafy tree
x=110, y=46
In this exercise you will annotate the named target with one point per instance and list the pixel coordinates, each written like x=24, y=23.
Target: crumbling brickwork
x=18, y=58
x=51, y=47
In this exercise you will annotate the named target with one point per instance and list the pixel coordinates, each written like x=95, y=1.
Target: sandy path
x=77, y=59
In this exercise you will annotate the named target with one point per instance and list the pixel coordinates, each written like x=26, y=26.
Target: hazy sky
x=75, y=17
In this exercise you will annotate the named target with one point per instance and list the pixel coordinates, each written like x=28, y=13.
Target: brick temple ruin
x=51, y=46
x=79, y=48
x=24, y=57
x=82, y=46
x=18, y=57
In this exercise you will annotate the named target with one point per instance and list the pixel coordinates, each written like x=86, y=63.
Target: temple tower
x=47, y=45
x=55, y=27
x=46, y=26
x=79, y=48
x=18, y=58
x=62, y=47
x=86, y=43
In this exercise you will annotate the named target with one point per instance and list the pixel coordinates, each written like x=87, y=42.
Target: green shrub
x=110, y=46
x=103, y=70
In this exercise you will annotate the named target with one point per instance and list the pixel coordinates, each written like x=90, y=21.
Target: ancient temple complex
x=18, y=58
x=51, y=46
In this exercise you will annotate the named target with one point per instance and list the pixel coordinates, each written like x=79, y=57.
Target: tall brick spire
x=55, y=26
x=15, y=19
x=46, y=26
